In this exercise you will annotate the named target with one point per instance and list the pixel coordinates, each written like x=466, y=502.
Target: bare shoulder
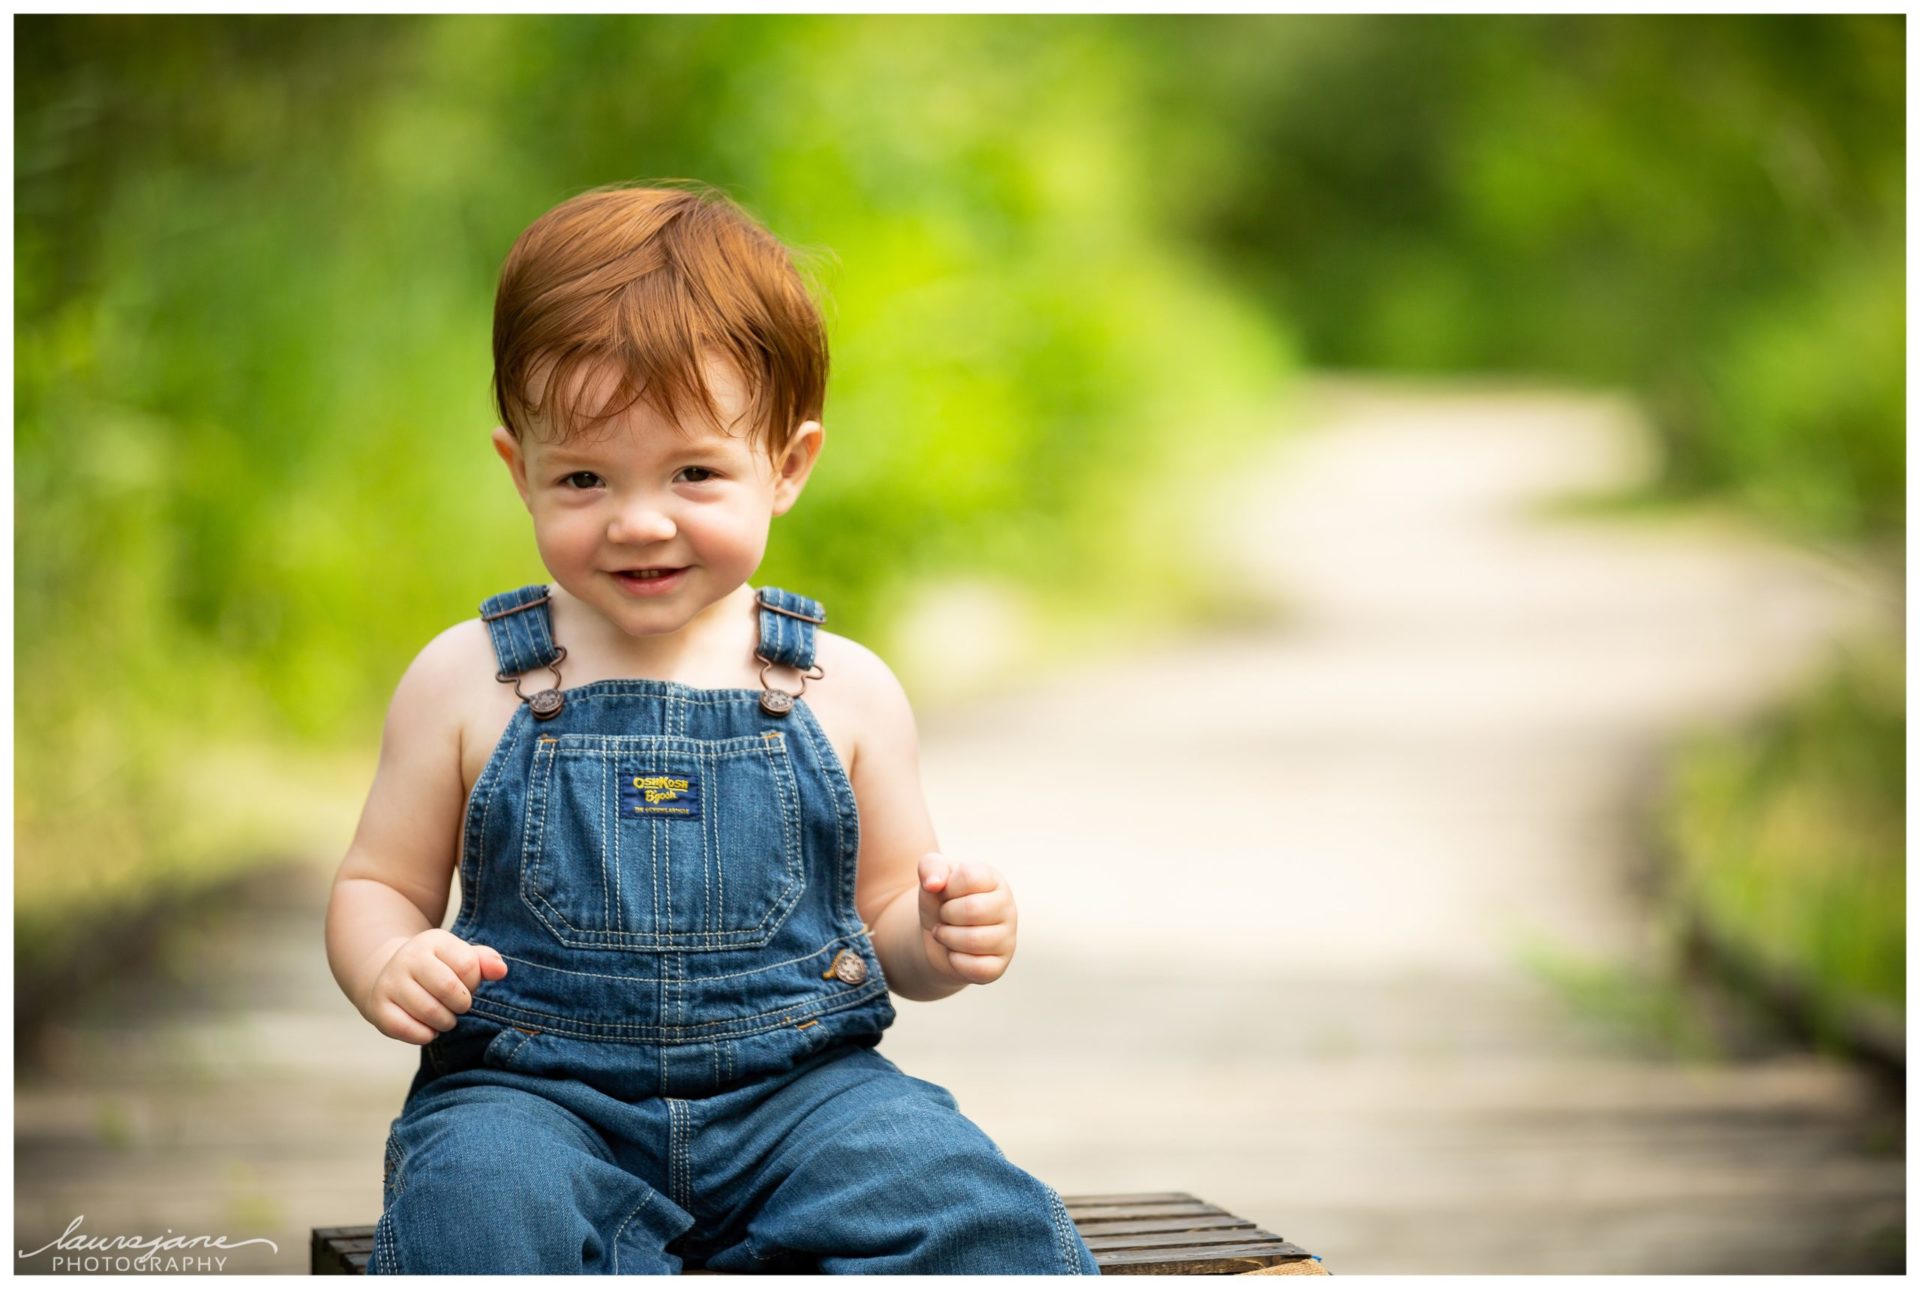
x=449, y=698
x=860, y=702
x=458, y=650
x=862, y=677
x=441, y=678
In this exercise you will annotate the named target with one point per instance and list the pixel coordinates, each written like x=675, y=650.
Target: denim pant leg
x=483, y=1177
x=852, y=1166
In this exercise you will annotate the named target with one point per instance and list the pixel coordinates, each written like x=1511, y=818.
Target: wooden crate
x=1170, y=1233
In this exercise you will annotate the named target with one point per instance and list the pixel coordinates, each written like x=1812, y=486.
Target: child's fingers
x=441, y=982
x=974, y=910
x=492, y=965
x=933, y=877
x=468, y=961
x=970, y=877
x=972, y=939
x=423, y=1006
x=392, y=1019
x=979, y=968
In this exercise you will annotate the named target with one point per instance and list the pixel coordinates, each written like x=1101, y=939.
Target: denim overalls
x=682, y=1051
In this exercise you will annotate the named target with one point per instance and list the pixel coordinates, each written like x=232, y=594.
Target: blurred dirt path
x=1278, y=888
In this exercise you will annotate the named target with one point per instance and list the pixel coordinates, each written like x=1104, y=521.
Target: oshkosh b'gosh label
x=672, y=795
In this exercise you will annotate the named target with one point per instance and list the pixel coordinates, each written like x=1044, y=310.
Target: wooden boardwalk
x=1306, y=984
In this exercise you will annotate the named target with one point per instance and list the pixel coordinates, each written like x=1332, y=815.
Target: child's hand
x=428, y=981
x=967, y=913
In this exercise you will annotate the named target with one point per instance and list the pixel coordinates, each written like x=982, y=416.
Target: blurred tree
x=1709, y=209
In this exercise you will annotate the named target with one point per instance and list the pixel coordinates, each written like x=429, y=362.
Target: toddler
x=693, y=851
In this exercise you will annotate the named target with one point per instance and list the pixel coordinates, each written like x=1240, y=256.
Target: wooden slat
x=1221, y=1260
x=1165, y=1224
x=1182, y=1239
x=1123, y=1212
x=330, y=1233
x=1155, y=1197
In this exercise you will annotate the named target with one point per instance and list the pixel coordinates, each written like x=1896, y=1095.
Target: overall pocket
x=653, y=843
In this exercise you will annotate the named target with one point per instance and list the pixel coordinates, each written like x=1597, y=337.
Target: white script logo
x=78, y=1252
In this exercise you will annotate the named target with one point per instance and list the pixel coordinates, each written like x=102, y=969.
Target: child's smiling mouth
x=648, y=581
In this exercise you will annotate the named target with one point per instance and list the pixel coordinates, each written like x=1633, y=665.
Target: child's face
x=650, y=526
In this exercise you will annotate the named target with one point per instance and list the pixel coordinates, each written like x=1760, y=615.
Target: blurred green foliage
x=1791, y=838
x=1062, y=261
x=1708, y=210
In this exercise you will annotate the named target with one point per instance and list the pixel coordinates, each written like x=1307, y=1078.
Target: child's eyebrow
x=700, y=441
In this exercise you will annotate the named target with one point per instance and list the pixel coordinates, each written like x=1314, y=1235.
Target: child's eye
x=696, y=473
x=582, y=479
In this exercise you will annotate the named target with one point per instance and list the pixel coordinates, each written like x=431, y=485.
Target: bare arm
x=903, y=888
x=396, y=878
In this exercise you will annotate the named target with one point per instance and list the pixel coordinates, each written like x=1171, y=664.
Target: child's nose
x=641, y=521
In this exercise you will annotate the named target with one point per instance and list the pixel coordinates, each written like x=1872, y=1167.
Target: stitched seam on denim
x=773, y=626
x=712, y=870
x=675, y=1130
x=663, y=906
x=753, y=1250
x=846, y=808
x=720, y=1027
x=656, y=896
x=392, y=1243
x=498, y=630
x=622, y=1228
x=729, y=975
x=612, y=908
x=677, y=1035
x=675, y=971
x=803, y=646
x=793, y=855
x=642, y=687
x=540, y=631
x=1063, y=1231
x=396, y=1165
x=536, y=829
x=610, y=746
x=479, y=816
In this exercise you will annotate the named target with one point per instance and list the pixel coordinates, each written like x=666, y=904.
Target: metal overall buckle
x=778, y=702
x=546, y=704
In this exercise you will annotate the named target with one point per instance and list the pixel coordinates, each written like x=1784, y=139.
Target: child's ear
x=791, y=471
x=509, y=449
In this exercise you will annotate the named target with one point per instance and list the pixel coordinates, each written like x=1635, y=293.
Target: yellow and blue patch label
x=673, y=794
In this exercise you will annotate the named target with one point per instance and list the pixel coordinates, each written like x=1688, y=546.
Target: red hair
x=648, y=282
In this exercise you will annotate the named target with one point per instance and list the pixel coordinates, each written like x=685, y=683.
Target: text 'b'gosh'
x=675, y=795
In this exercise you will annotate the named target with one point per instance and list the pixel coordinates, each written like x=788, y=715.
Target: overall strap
x=521, y=629
x=786, y=627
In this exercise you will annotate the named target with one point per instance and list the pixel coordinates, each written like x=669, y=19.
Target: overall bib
x=679, y=1066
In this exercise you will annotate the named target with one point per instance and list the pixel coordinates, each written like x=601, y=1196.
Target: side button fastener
x=847, y=966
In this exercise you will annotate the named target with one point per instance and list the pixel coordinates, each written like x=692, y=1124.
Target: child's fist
x=427, y=983
x=967, y=916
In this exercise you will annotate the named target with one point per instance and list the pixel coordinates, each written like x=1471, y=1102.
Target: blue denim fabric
x=672, y=1072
